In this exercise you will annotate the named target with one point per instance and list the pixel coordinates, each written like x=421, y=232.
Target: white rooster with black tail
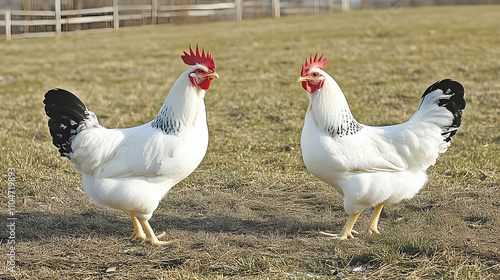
x=132, y=169
x=367, y=165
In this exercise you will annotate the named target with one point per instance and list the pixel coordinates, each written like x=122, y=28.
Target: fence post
x=276, y=8
x=238, y=6
x=116, y=18
x=58, y=15
x=316, y=7
x=346, y=5
x=330, y=6
x=7, y=25
x=154, y=11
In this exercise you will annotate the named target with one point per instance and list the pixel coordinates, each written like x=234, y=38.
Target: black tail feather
x=66, y=112
x=455, y=104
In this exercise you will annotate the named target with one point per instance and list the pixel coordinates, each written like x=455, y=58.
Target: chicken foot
x=376, y=215
x=347, y=231
x=150, y=235
x=138, y=232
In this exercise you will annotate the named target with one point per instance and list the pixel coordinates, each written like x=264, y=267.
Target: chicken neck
x=331, y=111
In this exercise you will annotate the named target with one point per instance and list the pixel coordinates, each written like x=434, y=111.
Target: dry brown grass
x=251, y=210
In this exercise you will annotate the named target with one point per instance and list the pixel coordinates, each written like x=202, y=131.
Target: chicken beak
x=213, y=75
x=302, y=79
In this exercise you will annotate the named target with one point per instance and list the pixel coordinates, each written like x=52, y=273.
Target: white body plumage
x=368, y=165
x=132, y=169
x=373, y=164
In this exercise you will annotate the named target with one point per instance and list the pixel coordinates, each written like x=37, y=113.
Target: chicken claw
x=340, y=235
x=137, y=235
x=151, y=237
x=138, y=232
x=347, y=232
x=155, y=242
x=376, y=215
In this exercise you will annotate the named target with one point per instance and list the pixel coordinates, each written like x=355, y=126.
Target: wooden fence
x=51, y=23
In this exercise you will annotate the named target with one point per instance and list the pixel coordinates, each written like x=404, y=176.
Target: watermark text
x=11, y=219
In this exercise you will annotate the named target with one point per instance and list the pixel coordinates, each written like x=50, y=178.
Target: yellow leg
x=150, y=235
x=138, y=233
x=375, y=217
x=347, y=231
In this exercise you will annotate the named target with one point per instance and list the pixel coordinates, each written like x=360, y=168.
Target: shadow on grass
x=229, y=224
x=38, y=225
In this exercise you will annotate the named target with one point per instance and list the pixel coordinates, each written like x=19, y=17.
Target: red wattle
x=206, y=83
x=310, y=87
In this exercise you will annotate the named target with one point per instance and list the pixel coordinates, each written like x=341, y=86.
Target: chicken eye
x=315, y=75
x=199, y=71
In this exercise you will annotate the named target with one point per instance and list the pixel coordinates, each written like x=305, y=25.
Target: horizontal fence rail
x=30, y=24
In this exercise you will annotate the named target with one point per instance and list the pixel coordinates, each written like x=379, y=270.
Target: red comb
x=197, y=58
x=316, y=62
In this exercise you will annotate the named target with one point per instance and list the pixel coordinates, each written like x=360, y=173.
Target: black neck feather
x=348, y=125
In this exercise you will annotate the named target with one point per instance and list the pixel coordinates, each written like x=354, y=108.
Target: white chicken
x=132, y=169
x=367, y=165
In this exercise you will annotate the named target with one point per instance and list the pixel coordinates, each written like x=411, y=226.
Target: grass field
x=251, y=210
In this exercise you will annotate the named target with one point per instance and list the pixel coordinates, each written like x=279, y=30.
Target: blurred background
x=40, y=18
